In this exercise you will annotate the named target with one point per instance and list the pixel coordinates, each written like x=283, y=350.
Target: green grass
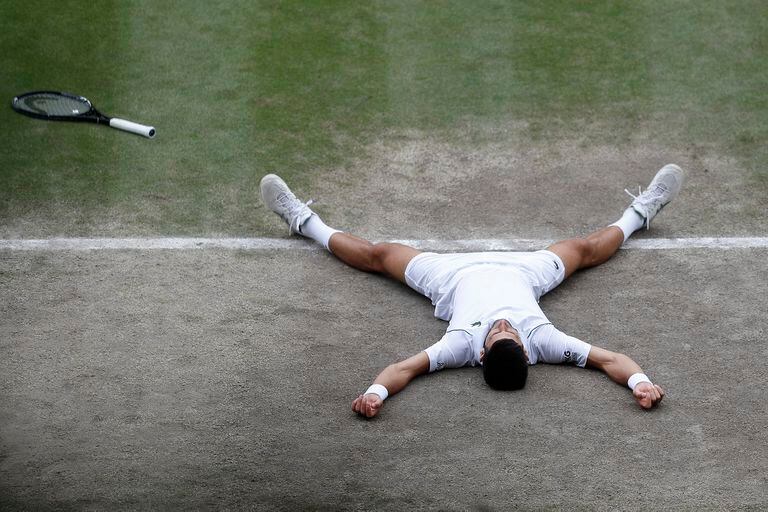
x=298, y=87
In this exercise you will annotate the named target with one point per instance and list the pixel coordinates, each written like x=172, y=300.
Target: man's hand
x=647, y=395
x=620, y=368
x=394, y=378
x=367, y=405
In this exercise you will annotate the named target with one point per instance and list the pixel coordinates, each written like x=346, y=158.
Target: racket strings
x=54, y=105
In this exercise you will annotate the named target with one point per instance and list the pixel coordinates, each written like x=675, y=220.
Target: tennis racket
x=62, y=106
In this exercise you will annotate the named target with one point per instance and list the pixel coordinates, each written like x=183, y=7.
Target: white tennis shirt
x=478, y=296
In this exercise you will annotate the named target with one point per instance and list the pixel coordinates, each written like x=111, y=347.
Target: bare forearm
x=393, y=379
x=621, y=368
x=617, y=366
x=396, y=376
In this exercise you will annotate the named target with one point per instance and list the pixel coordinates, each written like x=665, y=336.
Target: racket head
x=57, y=106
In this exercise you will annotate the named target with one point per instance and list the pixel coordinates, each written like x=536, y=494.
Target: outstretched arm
x=620, y=368
x=393, y=378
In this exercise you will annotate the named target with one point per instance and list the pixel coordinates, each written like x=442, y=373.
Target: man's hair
x=505, y=366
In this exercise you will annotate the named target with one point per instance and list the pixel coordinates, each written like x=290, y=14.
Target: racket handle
x=129, y=126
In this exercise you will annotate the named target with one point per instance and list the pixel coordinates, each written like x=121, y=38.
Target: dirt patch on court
x=416, y=185
x=473, y=181
x=176, y=380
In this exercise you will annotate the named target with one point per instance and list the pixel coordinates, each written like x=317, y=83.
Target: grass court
x=222, y=379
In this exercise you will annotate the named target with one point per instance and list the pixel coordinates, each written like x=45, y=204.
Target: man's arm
x=394, y=378
x=620, y=368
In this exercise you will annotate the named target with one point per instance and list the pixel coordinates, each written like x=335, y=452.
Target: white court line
x=284, y=244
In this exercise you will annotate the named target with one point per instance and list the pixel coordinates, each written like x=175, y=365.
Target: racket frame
x=92, y=115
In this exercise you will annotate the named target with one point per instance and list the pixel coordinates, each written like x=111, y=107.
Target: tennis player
x=489, y=299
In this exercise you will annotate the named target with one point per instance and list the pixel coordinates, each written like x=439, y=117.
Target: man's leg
x=599, y=246
x=596, y=248
x=383, y=258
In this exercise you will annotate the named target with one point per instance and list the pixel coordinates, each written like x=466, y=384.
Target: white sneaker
x=663, y=188
x=279, y=198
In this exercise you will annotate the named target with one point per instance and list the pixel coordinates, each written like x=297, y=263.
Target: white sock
x=316, y=229
x=630, y=222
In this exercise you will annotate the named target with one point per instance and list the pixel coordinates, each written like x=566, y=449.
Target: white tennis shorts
x=436, y=275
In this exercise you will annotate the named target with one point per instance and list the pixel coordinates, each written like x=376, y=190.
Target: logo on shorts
x=556, y=265
x=567, y=355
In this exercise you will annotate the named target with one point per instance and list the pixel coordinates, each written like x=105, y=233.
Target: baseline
x=272, y=244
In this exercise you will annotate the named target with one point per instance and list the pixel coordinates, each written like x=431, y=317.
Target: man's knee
x=584, y=248
x=391, y=259
x=586, y=251
x=577, y=247
x=379, y=253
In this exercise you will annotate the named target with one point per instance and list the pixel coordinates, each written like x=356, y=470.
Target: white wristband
x=636, y=379
x=378, y=389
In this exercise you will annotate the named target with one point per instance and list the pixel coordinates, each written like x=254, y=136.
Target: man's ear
x=482, y=354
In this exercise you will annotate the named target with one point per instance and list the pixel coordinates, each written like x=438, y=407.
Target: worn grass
x=298, y=88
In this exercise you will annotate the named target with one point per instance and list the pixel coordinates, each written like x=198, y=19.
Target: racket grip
x=129, y=126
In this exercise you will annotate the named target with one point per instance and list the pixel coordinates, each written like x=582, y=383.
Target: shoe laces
x=650, y=194
x=646, y=198
x=293, y=209
x=633, y=196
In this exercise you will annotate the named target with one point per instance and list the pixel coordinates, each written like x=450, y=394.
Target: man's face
x=501, y=330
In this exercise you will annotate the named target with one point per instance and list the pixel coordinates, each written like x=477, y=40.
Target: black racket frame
x=91, y=116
